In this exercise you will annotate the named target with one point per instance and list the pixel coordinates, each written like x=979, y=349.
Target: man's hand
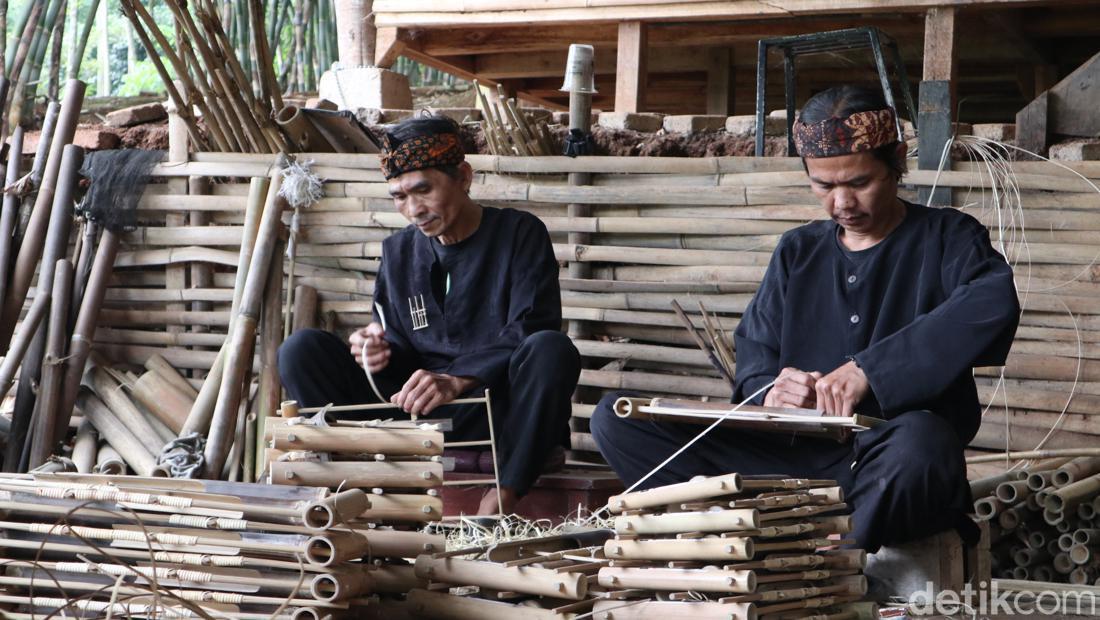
x=841, y=390
x=373, y=337
x=793, y=388
x=426, y=390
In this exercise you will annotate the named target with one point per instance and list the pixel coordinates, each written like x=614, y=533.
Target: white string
x=370, y=378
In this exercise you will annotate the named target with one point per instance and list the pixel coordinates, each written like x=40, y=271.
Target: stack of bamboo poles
x=751, y=547
x=1044, y=521
x=509, y=131
x=125, y=546
x=399, y=462
x=661, y=229
x=207, y=77
x=720, y=547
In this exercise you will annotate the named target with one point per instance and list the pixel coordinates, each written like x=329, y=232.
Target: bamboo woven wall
x=659, y=229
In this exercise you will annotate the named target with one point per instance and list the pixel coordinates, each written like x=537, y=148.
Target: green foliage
x=142, y=79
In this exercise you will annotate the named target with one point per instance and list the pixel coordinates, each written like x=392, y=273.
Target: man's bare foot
x=508, y=501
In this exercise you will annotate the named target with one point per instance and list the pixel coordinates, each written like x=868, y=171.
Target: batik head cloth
x=430, y=151
x=862, y=131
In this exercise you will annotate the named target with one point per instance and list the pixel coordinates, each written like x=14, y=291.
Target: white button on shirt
x=854, y=319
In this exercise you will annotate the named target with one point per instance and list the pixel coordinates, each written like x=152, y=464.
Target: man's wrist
x=463, y=384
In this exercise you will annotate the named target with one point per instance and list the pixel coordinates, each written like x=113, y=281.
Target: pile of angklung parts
x=720, y=547
x=1044, y=521
x=728, y=547
x=396, y=464
x=95, y=546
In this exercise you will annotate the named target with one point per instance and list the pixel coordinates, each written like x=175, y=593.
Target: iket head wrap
x=862, y=131
x=420, y=152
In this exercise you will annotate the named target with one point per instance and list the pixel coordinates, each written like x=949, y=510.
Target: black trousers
x=902, y=480
x=531, y=409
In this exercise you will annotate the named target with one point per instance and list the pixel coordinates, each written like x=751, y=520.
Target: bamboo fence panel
x=660, y=229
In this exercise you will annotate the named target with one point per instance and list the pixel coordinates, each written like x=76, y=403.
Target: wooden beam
x=939, y=51
x=552, y=64
x=430, y=13
x=630, y=71
x=718, y=81
x=389, y=44
x=939, y=44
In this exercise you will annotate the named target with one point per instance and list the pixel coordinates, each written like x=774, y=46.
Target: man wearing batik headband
x=466, y=297
x=883, y=308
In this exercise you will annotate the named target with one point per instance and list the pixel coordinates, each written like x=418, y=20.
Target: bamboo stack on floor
x=397, y=463
x=752, y=548
x=721, y=547
x=508, y=130
x=1044, y=521
x=101, y=544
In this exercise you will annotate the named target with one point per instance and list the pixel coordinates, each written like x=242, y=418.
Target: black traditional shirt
x=462, y=309
x=917, y=312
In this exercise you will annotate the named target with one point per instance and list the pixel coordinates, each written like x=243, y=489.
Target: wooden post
x=937, y=96
x=202, y=273
x=939, y=46
x=355, y=32
x=630, y=69
x=718, y=81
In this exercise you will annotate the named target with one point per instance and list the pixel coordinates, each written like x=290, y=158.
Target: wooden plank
x=434, y=14
x=630, y=72
x=719, y=94
x=934, y=130
x=389, y=43
x=939, y=44
x=1032, y=125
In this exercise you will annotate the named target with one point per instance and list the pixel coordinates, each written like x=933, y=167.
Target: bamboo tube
x=21, y=341
x=46, y=429
x=400, y=507
x=201, y=413
x=167, y=372
x=84, y=447
x=33, y=240
x=734, y=581
x=391, y=442
x=1013, y=492
x=335, y=547
x=703, y=549
x=108, y=461
x=9, y=216
x=667, y=610
x=358, y=475
x=403, y=544
x=675, y=522
x=110, y=392
x=271, y=337
x=335, y=509
x=163, y=399
x=443, y=606
x=1080, y=467
x=243, y=332
x=1068, y=497
x=84, y=330
x=526, y=580
x=305, y=307
x=395, y=578
x=136, y=453
x=676, y=493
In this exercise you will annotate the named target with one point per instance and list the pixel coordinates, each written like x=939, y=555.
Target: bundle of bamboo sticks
x=152, y=547
x=206, y=76
x=1044, y=521
x=510, y=131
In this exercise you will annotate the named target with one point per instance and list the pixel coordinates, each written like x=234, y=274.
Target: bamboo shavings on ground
x=126, y=546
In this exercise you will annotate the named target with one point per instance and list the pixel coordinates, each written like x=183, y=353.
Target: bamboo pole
x=271, y=337
x=527, y=580
x=84, y=331
x=84, y=447
x=32, y=245
x=109, y=461
x=357, y=474
x=10, y=214
x=46, y=430
x=21, y=341
x=243, y=331
x=132, y=450
x=198, y=421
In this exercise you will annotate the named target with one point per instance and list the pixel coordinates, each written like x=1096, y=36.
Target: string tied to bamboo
x=301, y=188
